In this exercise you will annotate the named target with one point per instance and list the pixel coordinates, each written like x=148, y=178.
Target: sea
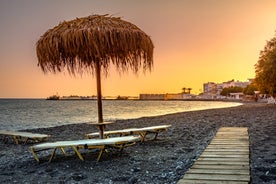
x=20, y=114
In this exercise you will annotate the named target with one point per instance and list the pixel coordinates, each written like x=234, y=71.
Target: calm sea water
x=18, y=114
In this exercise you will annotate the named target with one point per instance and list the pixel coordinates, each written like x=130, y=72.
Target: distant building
x=213, y=90
x=236, y=96
x=210, y=89
x=167, y=96
x=188, y=96
x=172, y=96
x=152, y=96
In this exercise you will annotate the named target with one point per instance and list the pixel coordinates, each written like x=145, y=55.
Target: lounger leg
x=77, y=152
x=20, y=139
x=15, y=139
x=121, y=148
x=35, y=155
x=100, y=154
x=156, y=134
x=53, y=154
x=63, y=151
x=143, y=136
x=5, y=138
x=26, y=140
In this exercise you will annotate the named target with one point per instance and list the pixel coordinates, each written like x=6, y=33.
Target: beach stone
x=78, y=176
x=164, y=175
x=121, y=179
x=137, y=169
x=266, y=178
x=180, y=165
x=132, y=180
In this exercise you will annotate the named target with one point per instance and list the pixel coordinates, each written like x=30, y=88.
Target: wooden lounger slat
x=132, y=131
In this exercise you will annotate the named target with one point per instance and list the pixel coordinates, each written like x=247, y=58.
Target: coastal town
x=211, y=91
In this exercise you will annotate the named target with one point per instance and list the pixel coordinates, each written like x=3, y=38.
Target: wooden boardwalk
x=225, y=160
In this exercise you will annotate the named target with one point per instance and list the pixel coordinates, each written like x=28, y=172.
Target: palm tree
x=184, y=90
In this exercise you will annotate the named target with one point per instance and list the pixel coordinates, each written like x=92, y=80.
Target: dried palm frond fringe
x=78, y=44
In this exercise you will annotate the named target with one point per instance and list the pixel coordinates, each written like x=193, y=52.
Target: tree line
x=248, y=90
x=265, y=73
x=265, y=69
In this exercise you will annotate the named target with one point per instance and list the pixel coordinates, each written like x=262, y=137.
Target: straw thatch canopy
x=78, y=44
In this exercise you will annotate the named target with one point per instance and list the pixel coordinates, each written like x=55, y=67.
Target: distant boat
x=53, y=97
x=122, y=98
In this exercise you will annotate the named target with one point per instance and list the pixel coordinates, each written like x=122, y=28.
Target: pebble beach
x=164, y=160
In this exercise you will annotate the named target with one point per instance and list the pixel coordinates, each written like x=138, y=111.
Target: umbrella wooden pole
x=99, y=98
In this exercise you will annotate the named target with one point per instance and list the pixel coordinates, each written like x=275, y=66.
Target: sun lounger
x=143, y=132
x=102, y=144
x=23, y=136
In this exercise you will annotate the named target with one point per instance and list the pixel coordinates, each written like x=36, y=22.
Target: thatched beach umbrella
x=91, y=44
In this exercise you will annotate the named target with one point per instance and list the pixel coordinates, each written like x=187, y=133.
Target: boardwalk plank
x=227, y=149
x=224, y=177
x=228, y=146
x=219, y=171
x=229, y=141
x=191, y=181
x=206, y=166
x=217, y=155
x=224, y=153
x=222, y=159
x=217, y=162
x=233, y=128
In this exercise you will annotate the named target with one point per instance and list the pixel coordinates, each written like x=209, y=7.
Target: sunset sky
x=196, y=41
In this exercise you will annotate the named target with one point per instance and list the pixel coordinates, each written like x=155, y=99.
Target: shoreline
x=164, y=160
x=29, y=117
x=109, y=99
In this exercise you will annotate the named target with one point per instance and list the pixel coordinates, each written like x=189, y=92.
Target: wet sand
x=164, y=160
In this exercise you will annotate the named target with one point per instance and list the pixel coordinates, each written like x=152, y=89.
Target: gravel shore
x=164, y=160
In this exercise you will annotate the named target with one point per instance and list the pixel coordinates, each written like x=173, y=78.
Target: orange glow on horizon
x=195, y=42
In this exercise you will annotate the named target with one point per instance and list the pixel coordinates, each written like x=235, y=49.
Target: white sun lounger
x=143, y=132
x=23, y=136
x=102, y=144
